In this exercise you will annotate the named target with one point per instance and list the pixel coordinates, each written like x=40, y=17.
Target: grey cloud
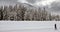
x=8, y=2
x=55, y=6
x=31, y=1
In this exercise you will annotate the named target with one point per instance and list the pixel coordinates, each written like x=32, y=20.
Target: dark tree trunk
x=1, y=15
x=23, y=12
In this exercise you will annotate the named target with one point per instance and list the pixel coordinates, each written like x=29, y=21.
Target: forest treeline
x=23, y=13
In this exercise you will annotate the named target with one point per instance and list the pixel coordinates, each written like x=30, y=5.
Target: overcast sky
x=53, y=5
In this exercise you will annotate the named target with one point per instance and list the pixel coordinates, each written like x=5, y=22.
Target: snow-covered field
x=29, y=26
